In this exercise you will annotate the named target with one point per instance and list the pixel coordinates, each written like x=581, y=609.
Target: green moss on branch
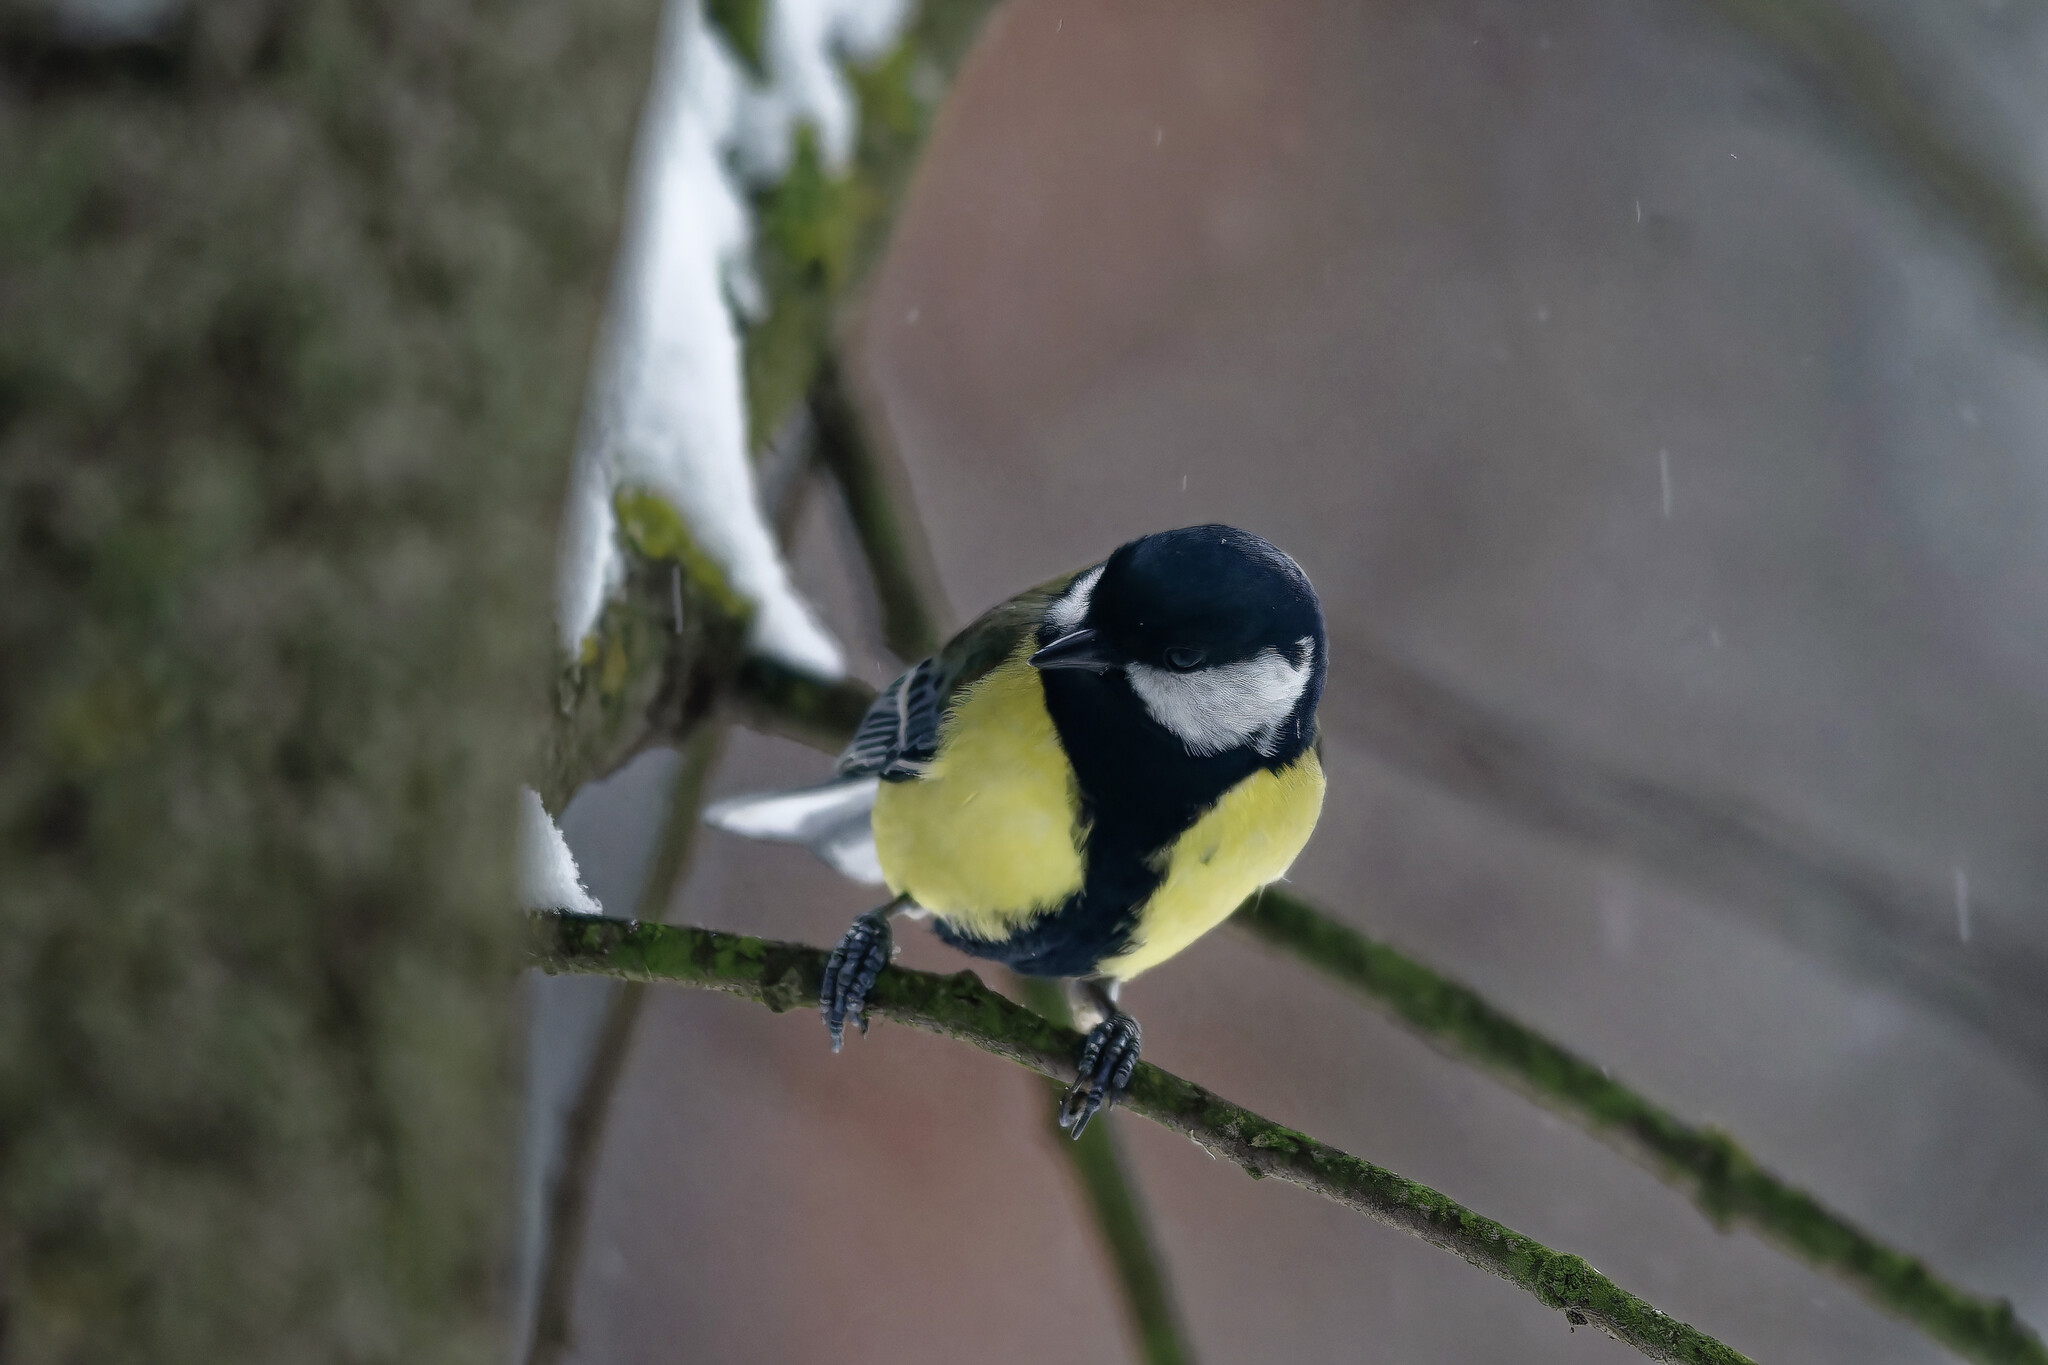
x=296, y=304
x=1708, y=1165
x=1721, y=1178
x=819, y=233
x=785, y=976
x=666, y=648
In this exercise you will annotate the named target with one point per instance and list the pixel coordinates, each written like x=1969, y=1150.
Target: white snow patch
x=666, y=409
x=806, y=40
x=548, y=877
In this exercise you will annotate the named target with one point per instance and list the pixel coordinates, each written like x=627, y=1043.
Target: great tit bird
x=1083, y=782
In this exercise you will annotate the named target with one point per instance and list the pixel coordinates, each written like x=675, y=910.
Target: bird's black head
x=1217, y=632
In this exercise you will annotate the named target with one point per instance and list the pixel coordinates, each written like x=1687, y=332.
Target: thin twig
x=892, y=542
x=785, y=976
x=1750, y=860
x=569, y=1200
x=1835, y=52
x=1723, y=1179
x=583, y=1132
x=1104, y=1176
x=679, y=827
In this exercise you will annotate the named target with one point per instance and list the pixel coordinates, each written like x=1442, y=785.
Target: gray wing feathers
x=899, y=736
x=896, y=742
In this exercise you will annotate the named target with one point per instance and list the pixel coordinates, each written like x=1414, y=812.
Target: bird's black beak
x=1076, y=649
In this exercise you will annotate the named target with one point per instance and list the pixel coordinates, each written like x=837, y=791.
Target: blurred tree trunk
x=297, y=302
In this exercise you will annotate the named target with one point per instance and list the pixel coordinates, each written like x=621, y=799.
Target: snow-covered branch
x=666, y=410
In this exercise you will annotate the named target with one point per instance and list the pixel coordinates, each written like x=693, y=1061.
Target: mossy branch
x=820, y=234
x=1723, y=1179
x=665, y=650
x=1709, y=1166
x=785, y=976
x=816, y=239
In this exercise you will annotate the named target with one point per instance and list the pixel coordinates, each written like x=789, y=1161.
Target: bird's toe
x=850, y=974
x=1108, y=1058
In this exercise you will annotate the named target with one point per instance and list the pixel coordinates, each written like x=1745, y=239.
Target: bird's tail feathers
x=830, y=819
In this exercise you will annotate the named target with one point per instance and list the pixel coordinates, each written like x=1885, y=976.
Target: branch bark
x=899, y=561
x=1708, y=1166
x=785, y=976
x=583, y=1133
x=665, y=651
x=1098, y=1162
x=296, y=300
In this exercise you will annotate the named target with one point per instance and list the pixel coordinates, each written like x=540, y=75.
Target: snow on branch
x=666, y=409
x=548, y=876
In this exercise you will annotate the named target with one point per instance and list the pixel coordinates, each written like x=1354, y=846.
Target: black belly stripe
x=1139, y=790
x=1093, y=924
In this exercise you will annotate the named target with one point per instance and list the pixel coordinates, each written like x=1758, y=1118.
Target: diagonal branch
x=870, y=479
x=1756, y=864
x=785, y=976
x=1710, y=1167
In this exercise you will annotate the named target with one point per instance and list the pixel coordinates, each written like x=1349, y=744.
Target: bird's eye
x=1181, y=658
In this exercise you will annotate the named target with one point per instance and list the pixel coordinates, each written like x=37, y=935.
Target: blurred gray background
x=1671, y=466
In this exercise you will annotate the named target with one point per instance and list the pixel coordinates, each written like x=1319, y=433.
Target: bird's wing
x=900, y=733
x=899, y=736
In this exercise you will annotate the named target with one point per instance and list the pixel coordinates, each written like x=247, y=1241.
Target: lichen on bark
x=668, y=643
x=298, y=301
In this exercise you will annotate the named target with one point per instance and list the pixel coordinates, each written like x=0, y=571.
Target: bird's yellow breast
x=1248, y=838
x=987, y=836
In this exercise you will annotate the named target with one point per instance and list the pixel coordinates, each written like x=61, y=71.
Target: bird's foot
x=1107, y=1060
x=850, y=974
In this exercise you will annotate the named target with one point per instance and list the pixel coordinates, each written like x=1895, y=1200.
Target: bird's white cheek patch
x=1222, y=708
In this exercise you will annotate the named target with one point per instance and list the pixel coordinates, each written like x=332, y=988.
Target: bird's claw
x=1107, y=1059
x=850, y=974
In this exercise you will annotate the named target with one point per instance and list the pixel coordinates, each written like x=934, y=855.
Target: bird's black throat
x=1140, y=789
